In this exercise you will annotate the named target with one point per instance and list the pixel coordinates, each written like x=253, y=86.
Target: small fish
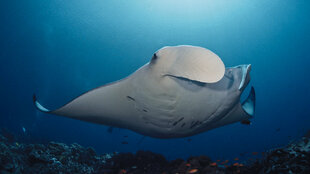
x=278, y=129
x=226, y=166
x=24, y=129
x=188, y=164
x=236, y=164
x=122, y=171
x=193, y=171
x=110, y=129
x=225, y=162
x=189, y=140
x=213, y=164
x=17, y=144
x=254, y=153
x=124, y=142
x=218, y=160
x=246, y=122
x=125, y=136
x=236, y=159
x=241, y=165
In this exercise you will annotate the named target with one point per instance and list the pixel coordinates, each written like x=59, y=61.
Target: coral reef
x=295, y=158
x=50, y=158
x=61, y=158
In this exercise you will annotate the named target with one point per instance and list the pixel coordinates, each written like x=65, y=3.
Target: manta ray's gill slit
x=158, y=118
x=175, y=123
x=131, y=98
x=229, y=74
x=197, y=123
x=181, y=119
x=157, y=123
x=183, y=124
x=213, y=114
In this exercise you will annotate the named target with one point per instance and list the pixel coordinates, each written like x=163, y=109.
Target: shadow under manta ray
x=184, y=90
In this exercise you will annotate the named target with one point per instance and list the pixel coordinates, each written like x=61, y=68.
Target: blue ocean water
x=60, y=49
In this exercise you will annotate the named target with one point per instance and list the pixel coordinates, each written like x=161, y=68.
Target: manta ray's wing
x=194, y=63
x=107, y=105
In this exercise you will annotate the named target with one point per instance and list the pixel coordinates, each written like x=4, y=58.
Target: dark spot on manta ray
x=192, y=126
x=195, y=124
x=183, y=124
x=131, y=98
x=180, y=119
x=145, y=110
x=175, y=123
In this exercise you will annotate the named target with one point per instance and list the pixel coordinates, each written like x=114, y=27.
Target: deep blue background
x=60, y=49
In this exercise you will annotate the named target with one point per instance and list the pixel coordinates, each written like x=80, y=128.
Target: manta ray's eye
x=154, y=57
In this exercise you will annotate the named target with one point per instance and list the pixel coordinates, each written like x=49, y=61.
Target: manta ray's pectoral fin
x=80, y=108
x=84, y=107
x=99, y=105
x=42, y=108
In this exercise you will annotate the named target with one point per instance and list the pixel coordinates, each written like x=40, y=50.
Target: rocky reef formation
x=61, y=158
x=50, y=158
x=295, y=158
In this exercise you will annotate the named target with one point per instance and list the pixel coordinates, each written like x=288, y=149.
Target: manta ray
x=182, y=91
